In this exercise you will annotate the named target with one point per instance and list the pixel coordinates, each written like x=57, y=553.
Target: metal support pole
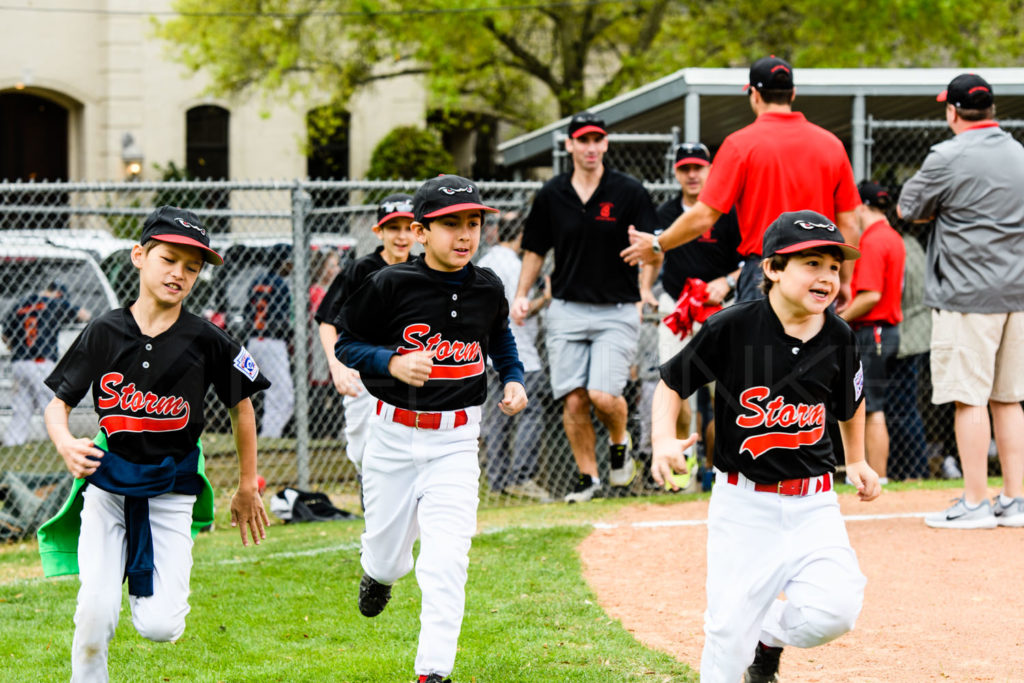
x=557, y=152
x=859, y=142
x=691, y=122
x=670, y=155
x=301, y=205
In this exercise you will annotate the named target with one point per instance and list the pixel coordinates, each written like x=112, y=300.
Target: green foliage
x=409, y=152
x=285, y=611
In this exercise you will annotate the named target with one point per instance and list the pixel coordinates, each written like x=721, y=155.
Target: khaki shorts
x=590, y=346
x=976, y=357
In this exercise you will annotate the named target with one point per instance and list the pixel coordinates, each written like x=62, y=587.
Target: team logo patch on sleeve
x=858, y=382
x=246, y=364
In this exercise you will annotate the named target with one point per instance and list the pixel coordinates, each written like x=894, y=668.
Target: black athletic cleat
x=373, y=596
x=433, y=678
x=765, y=668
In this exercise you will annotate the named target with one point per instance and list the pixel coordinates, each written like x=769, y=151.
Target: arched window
x=206, y=142
x=33, y=146
x=327, y=131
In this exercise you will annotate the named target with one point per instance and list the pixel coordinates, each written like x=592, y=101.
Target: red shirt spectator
x=880, y=269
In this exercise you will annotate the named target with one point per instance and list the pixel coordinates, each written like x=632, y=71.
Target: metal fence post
x=557, y=152
x=670, y=155
x=858, y=142
x=301, y=205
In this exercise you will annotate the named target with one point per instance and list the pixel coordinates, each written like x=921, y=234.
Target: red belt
x=411, y=418
x=790, y=487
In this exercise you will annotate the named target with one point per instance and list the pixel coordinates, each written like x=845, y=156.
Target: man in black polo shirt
x=592, y=323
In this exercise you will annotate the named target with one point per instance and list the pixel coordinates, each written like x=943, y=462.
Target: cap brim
x=580, y=132
x=851, y=253
x=209, y=255
x=393, y=214
x=941, y=97
x=458, y=207
x=692, y=160
x=747, y=87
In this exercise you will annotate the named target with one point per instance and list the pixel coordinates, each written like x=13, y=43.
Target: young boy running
x=394, y=230
x=417, y=332
x=140, y=492
x=784, y=365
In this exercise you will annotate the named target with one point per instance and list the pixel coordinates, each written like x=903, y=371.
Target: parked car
x=29, y=266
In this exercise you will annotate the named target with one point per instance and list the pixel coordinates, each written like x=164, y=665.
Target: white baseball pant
x=279, y=400
x=358, y=410
x=423, y=483
x=763, y=544
x=102, y=553
x=28, y=395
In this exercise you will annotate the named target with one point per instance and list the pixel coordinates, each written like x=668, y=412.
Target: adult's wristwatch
x=731, y=281
x=655, y=245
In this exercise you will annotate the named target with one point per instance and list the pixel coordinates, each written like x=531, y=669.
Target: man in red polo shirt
x=780, y=162
x=874, y=312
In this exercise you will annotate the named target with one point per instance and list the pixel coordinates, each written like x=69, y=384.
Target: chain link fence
x=649, y=156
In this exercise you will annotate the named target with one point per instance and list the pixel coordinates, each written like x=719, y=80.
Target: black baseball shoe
x=373, y=596
x=432, y=678
x=765, y=668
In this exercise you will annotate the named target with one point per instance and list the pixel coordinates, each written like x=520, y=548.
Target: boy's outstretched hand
x=670, y=458
x=514, y=399
x=864, y=479
x=248, y=513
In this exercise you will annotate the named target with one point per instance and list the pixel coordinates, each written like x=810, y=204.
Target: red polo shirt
x=780, y=162
x=880, y=269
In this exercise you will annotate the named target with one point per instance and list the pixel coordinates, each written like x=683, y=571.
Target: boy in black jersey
x=784, y=365
x=141, y=493
x=417, y=332
x=394, y=229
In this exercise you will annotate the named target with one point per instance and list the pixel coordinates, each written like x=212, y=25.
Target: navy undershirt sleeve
x=368, y=359
x=505, y=357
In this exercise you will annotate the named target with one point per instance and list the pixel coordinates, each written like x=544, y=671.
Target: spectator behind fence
x=907, y=442
x=780, y=162
x=592, y=322
x=30, y=331
x=711, y=259
x=325, y=266
x=514, y=444
x=393, y=229
x=270, y=325
x=971, y=185
x=874, y=313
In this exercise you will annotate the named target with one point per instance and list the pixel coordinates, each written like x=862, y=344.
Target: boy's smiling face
x=397, y=236
x=167, y=272
x=451, y=240
x=808, y=284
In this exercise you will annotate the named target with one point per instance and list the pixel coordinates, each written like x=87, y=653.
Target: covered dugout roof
x=708, y=104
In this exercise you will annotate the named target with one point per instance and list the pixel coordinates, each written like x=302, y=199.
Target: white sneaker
x=622, y=476
x=528, y=489
x=1009, y=515
x=583, y=489
x=959, y=516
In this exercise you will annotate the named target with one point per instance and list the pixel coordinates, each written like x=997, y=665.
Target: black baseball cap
x=179, y=226
x=692, y=153
x=968, y=91
x=585, y=122
x=770, y=73
x=394, y=206
x=874, y=195
x=798, y=230
x=446, y=194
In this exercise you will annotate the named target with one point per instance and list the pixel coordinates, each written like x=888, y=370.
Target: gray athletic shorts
x=591, y=345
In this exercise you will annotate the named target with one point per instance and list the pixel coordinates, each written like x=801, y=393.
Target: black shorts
x=878, y=362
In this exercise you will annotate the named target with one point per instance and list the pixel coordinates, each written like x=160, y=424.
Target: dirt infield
x=940, y=605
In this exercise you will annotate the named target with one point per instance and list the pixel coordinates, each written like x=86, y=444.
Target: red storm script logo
x=778, y=413
x=162, y=413
x=464, y=358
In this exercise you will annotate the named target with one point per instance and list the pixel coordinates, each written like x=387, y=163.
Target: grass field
x=285, y=611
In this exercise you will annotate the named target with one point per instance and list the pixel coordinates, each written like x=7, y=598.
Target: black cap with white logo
x=394, y=206
x=692, y=153
x=179, y=226
x=446, y=194
x=796, y=231
x=584, y=122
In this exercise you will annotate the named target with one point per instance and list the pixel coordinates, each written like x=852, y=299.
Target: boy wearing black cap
x=971, y=186
x=418, y=332
x=874, y=313
x=140, y=484
x=394, y=229
x=592, y=323
x=784, y=367
x=780, y=162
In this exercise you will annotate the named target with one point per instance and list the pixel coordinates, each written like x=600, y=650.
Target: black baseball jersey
x=773, y=393
x=587, y=238
x=149, y=392
x=710, y=256
x=270, y=307
x=346, y=282
x=33, y=325
x=410, y=307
